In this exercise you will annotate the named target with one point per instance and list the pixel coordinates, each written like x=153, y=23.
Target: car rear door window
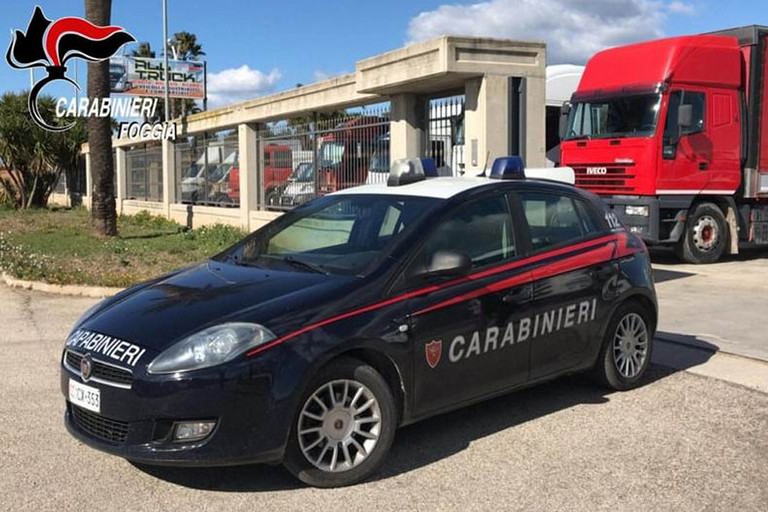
x=480, y=229
x=554, y=219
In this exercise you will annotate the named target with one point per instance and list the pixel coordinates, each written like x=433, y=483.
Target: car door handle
x=703, y=166
x=518, y=295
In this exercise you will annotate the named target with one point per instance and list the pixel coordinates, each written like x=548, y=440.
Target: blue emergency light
x=430, y=167
x=411, y=170
x=508, y=168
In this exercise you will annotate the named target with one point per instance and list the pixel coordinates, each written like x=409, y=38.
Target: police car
x=314, y=338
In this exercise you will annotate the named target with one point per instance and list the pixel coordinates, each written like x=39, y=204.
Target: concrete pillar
x=535, y=122
x=407, y=126
x=88, y=182
x=486, y=118
x=169, y=176
x=248, y=157
x=121, y=170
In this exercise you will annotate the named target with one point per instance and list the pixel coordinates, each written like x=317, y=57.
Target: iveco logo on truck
x=597, y=170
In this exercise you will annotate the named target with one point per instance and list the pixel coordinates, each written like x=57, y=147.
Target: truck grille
x=104, y=373
x=604, y=178
x=98, y=426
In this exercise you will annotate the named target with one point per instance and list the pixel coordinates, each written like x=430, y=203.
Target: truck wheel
x=706, y=235
x=627, y=348
x=344, y=427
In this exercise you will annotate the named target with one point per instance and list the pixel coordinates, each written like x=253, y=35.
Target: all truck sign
x=140, y=76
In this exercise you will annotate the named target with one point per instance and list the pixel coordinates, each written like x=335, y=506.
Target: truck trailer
x=673, y=134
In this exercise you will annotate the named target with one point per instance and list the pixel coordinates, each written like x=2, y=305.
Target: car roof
x=440, y=188
x=444, y=187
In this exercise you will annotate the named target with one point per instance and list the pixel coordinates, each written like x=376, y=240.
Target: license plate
x=84, y=396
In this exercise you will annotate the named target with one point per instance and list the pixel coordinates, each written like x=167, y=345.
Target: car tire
x=627, y=348
x=706, y=235
x=333, y=433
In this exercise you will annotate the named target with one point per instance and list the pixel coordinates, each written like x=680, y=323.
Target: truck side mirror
x=685, y=116
x=564, y=113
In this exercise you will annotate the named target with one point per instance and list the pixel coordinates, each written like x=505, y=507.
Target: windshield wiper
x=304, y=264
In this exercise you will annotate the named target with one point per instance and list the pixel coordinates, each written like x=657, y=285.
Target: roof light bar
x=405, y=171
x=508, y=168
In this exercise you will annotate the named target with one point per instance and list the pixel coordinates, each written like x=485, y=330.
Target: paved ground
x=681, y=442
x=723, y=306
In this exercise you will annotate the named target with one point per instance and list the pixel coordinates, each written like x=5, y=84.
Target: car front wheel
x=344, y=427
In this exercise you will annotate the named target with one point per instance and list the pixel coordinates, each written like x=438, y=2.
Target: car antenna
x=485, y=166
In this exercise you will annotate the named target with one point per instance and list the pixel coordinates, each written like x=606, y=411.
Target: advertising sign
x=140, y=76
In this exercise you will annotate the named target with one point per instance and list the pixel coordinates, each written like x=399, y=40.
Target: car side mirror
x=448, y=264
x=563, y=123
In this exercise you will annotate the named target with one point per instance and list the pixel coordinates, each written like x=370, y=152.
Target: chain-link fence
x=207, y=170
x=144, y=172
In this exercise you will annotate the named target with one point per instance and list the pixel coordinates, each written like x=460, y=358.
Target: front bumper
x=252, y=422
x=664, y=223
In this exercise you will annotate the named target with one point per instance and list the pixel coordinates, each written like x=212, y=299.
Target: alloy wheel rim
x=705, y=233
x=339, y=425
x=630, y=345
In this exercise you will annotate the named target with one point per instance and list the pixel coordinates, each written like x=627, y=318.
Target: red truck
x=278, y=166
x=673, y=134
x=345, y=153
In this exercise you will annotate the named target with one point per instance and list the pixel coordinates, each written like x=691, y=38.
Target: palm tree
x=184, y=46
x=143, y=50
x=103, y=206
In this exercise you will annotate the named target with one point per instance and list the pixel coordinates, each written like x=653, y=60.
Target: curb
x=716, y=350
x=95, y=292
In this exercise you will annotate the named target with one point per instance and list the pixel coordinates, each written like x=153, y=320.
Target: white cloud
x=678, y=7
x=572, y=29
x=239, y=84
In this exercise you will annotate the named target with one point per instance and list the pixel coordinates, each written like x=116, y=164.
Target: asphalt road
x=722, y=306
x=680, y=442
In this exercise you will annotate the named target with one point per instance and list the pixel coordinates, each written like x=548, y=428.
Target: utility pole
x=165, y=57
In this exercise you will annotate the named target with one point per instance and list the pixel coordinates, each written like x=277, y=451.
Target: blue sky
x=255, y=47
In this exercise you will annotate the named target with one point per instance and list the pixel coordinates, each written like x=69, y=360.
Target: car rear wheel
x=706, y=235
x=344, y=427
x=627, y=348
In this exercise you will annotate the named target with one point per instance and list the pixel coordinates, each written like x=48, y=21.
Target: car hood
x=158, y=314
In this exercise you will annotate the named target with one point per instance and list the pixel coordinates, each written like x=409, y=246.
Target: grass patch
x=57, y=246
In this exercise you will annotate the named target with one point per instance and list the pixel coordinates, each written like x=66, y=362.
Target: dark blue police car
x=313, y=339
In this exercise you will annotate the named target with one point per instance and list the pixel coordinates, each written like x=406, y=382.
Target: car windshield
x=380, y=161
x=331, y=153
x=304, y=172
x=192, y=171
x=625, y=116
x=341, y=235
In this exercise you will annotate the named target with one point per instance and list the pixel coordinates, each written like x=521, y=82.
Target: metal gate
x=308, y=157
x=444, y=134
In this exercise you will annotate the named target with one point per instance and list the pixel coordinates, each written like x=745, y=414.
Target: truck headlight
x=210, y=347
x=641, y=211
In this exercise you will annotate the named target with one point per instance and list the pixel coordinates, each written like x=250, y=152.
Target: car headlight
x=641, y=211
x=210, y=347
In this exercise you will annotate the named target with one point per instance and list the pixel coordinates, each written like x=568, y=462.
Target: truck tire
x=344, y=426
x=706, y=235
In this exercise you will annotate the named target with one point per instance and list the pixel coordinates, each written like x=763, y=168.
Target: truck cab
x=661, y=131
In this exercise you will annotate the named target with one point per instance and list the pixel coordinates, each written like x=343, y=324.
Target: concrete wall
x=407, y=77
